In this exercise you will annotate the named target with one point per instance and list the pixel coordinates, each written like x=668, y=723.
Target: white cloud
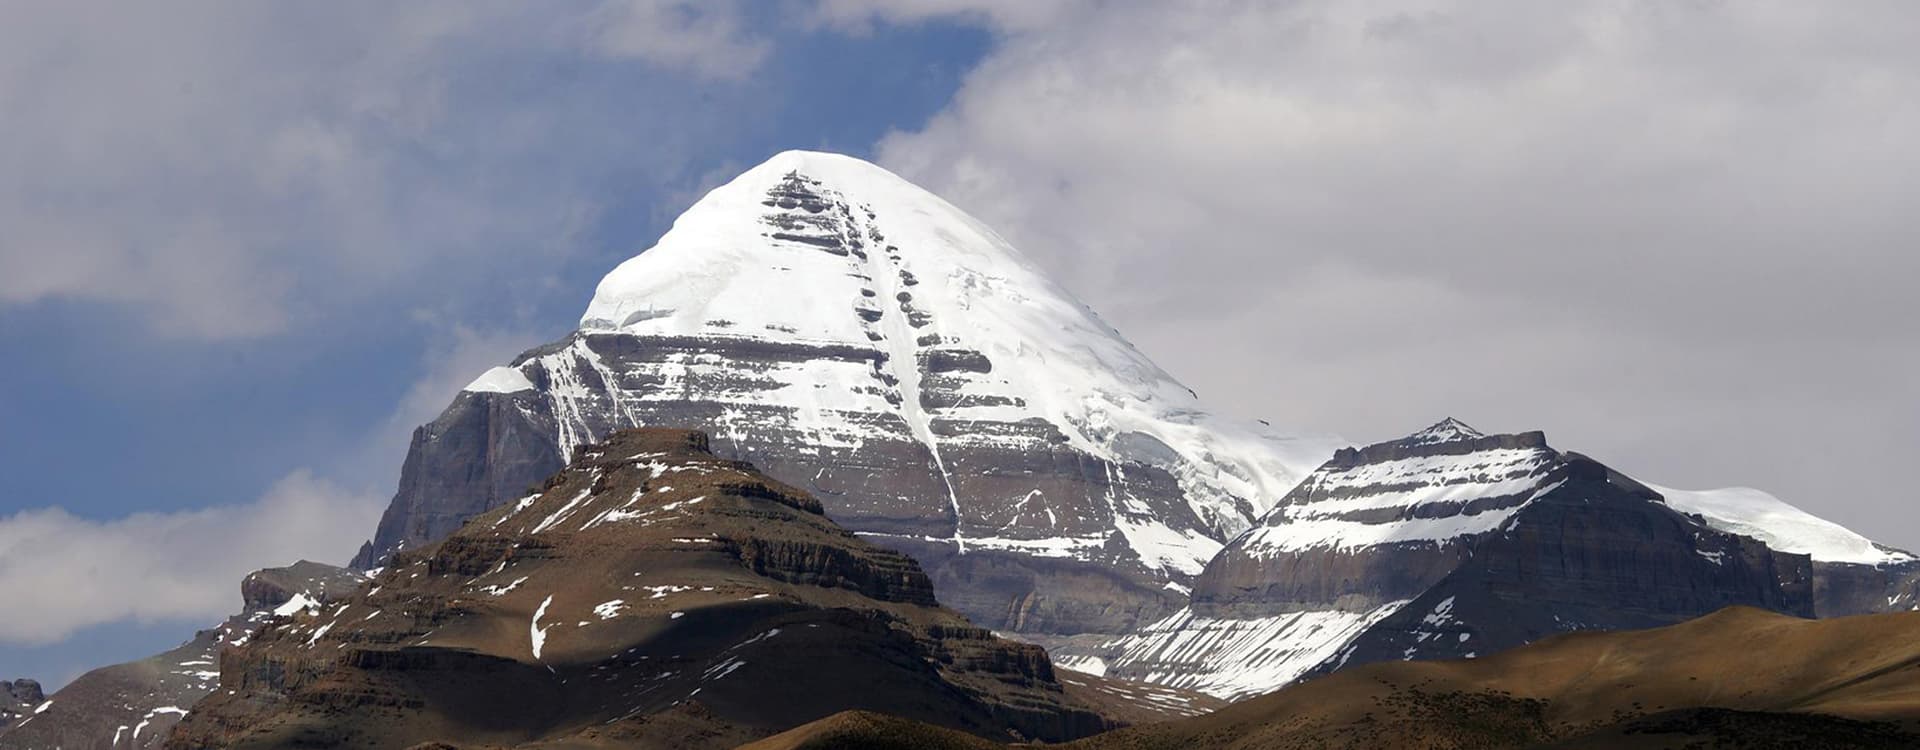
x=226, y=169
x=1676, y=235
x=186, y=566
x=703, y=37
x=217, y=169
x=60, y=573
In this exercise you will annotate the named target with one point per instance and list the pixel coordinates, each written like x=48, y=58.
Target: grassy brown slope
x=1586, y=684
x=1739, y=678
x=864, y=730
x=1131, y=702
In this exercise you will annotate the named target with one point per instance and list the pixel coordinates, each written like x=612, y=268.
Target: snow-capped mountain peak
x=870, y=342
x=1447, y=430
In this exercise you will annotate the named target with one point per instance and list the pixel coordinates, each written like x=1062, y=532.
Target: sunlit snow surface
x=1753, y=513
x=1048, y=351
x=500, y=380
x=298, y=603
x=1431, y=498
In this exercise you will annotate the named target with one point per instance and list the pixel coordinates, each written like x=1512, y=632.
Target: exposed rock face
x=133, y=705
x=861, y=339
x=1841, y=589
x=1851, y=574
x=650, y=586
x=1448, y=544
x=18, y=699
x=273, y=588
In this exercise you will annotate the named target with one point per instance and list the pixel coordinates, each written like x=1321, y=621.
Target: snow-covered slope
x=863, y=339
x=1230, y=656
x=820, y=248
x=1753, y=513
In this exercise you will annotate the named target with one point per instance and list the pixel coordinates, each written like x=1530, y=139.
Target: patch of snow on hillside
x=500, y=380
x=298, y=603
x=1087, y=664
x=534, y=631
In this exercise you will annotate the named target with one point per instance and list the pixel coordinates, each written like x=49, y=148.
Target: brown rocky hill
x=1738, y=678
x=649, y=595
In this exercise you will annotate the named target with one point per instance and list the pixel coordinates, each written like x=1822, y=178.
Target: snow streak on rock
x=1445, y=482
x=1246, y=657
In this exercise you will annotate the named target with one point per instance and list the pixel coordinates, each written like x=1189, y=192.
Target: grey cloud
x=1007, y=15
x=703, y=37
x=233, y=169
x=1676, y=235
x=185, y=566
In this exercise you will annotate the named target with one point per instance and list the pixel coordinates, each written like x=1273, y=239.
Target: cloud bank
x=219, y=169
x=60, y=573
x=1675, y=235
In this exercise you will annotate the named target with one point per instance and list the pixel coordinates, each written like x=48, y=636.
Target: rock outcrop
x=650, y=587
x=273, y=588
x=18, y=699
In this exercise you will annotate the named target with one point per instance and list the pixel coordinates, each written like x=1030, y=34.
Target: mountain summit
x=860, y=338
x=1445, y=544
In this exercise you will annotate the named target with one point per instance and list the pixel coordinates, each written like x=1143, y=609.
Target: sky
x=246, y=248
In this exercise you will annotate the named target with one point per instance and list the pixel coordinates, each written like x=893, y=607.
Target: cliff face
x=649, y=585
